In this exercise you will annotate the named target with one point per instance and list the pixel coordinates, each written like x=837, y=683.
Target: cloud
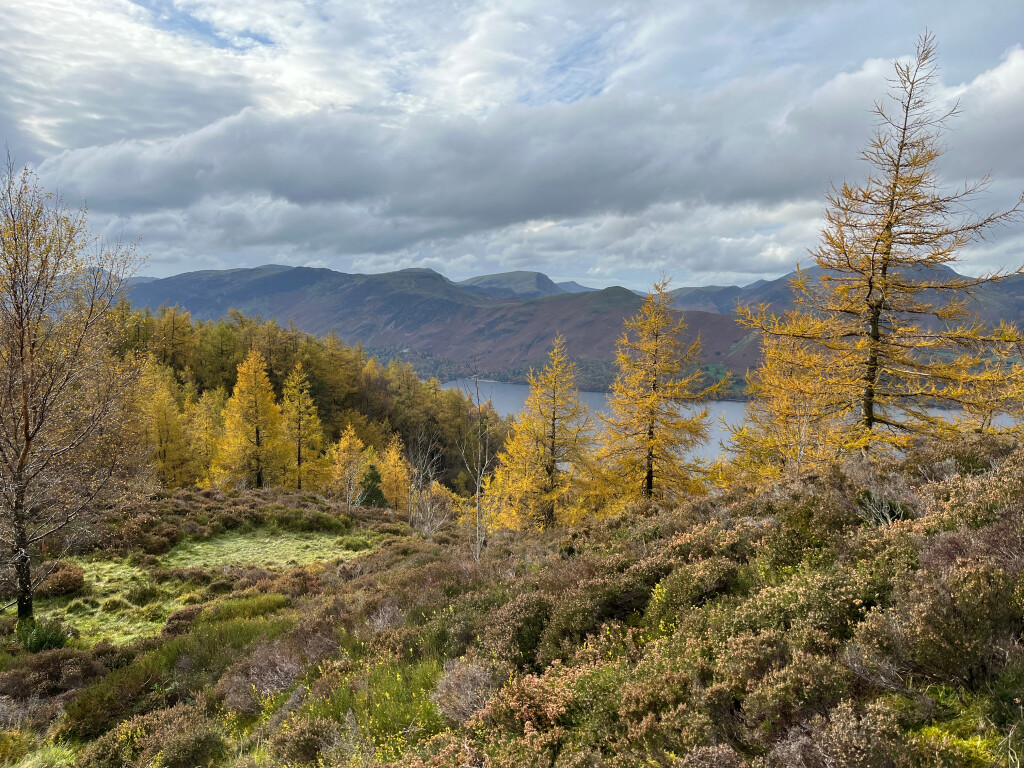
x=586, y=139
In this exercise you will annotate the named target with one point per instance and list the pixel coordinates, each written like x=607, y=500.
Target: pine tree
x=347, y=462
x=884, y=322
x=252, y=450
x=550, y=441
x=651, y=428
x=370, y=494
x=302, y=430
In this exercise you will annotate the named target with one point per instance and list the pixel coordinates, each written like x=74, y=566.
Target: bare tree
x=425, y=458
x=479, y=449
x=62, y=395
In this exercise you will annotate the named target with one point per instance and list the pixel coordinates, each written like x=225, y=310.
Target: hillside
x=441, y=326
x=867, y=618
x=495, y=325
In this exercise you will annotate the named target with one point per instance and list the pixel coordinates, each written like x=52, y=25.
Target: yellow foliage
x=653, y=426
x=302, y=433
x=881, y=334
x=204, y=430
x=252, y=450
x=346, y=461
x=395, y=475
x=549, y=444
x=162, y=425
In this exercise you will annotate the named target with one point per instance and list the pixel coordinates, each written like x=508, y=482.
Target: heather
x=785, y=626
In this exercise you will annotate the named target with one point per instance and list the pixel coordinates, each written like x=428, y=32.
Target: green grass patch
x=266, y=548
x=118, y=603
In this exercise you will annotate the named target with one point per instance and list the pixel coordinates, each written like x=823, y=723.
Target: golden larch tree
x=204, y=431
x=792, y=424
x=652, y=426
x=164, y=434
x=549, y=443
x=253, y=448
x=883, y=318
x=395, y=475
x=346, y=463
x=302, y=432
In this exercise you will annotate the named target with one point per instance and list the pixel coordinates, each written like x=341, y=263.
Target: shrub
x=514, y=631
x=14, y=745
x=142, y=593
x=806, y=686
x=269, y=670
x=618, y=597
x=304, y=739
x=66, y=578
x=947, y=627
x=687, y=586
x=179, y=737
x=464, y=689
x=38, y=636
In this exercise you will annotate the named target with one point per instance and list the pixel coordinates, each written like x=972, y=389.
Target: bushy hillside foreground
x=867, y=617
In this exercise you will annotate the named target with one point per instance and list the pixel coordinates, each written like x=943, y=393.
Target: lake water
x=510, y=398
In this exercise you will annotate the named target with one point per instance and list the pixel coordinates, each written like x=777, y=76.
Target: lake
x=510, y=398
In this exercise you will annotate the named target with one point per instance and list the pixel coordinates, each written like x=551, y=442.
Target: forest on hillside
x=232, y=544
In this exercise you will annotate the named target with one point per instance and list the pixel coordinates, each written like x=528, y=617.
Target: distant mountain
x=571, y=286
x=525, y=285
x=992, y=303
x=443, y=327
x=495, y=325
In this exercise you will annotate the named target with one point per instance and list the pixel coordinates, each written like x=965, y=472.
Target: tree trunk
x=22, y=558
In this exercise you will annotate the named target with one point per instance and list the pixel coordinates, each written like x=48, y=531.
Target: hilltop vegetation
x=795, y=626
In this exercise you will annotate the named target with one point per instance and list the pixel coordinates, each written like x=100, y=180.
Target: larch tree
x=64, y=401
x=883, y=323
x=395, y=475
x=253, y=449
x=550, y=440
x=204, y=431
x=302, y=431
x=163, y=430
x=347, y=462
x=792, y=424
x=652, y=426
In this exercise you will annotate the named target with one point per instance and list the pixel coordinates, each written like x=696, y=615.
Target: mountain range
x=498, y=326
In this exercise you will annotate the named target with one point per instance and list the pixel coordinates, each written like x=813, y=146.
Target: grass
x=266, y=548
x=102, y=610
x=120, y=603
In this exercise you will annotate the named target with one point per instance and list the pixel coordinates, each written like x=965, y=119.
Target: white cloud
x=586, y=139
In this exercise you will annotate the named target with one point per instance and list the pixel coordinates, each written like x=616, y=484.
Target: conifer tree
x=302, y=430
x=651, y=428
x=252, y=450
x=162, y=427
x=370, y=494
x=347, y=463
x=395, y=475
x=204, y=431
x=550, y=440
x=791, y=424
x=883, y=324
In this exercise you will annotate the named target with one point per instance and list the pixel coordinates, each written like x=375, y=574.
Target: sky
x=603, y=142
